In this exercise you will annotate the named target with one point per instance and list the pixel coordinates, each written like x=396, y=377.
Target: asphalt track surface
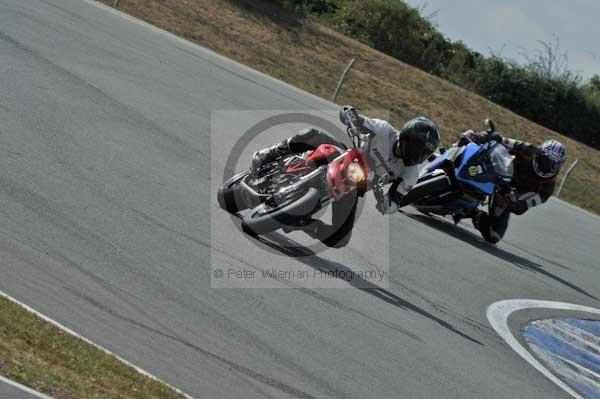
x=105, y=226
x=8, y=391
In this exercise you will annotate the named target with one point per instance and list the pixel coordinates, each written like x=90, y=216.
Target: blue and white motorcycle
x=463, y=178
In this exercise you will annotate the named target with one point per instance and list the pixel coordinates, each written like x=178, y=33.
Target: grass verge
x=310, y=56
x=39, y=355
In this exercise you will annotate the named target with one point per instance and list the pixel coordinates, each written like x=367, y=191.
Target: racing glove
x=482, y=137
x=387, y=206
x=388, y=203
x=357, y=118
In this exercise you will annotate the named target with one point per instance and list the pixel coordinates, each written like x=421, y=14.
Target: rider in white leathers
x=385, y=162
x=395, y=154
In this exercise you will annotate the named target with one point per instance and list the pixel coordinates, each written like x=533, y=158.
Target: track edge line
x=24, y=388
x=86, y=340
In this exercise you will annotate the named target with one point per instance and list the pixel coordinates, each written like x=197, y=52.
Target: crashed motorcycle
x=464, y=178
x=288, y=191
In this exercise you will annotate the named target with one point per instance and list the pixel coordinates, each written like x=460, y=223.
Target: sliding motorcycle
x=289, y=191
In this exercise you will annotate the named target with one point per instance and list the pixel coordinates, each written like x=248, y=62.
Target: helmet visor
x=545, y=166
x=411, y=153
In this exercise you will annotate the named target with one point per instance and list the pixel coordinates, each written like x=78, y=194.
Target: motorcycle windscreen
x=502, y=162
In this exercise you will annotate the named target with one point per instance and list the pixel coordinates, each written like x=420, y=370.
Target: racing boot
x=262, y=157
x=457, y=217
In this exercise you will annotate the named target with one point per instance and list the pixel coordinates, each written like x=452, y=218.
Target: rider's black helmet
x=417, y=140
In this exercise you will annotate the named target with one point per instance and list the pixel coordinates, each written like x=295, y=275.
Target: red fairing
x=337, y=177
x=322, y=154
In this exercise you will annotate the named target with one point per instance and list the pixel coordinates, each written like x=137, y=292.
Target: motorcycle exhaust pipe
x=284, y=192
x=436, y=186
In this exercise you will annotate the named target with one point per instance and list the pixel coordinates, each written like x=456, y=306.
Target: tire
x=255, y=223
x=426, y=189
x=230, y=196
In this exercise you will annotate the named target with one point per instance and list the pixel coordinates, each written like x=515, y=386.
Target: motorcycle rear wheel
x=265, y=218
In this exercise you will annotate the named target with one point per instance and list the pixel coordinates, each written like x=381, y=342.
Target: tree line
x=541, y=89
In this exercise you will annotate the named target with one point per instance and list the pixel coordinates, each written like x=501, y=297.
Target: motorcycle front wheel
x=230, y=195
x=266, y=217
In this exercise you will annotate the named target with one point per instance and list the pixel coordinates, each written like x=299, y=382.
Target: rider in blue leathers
x=533, y=183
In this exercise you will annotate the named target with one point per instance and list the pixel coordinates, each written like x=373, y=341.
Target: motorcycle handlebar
x=353, y=130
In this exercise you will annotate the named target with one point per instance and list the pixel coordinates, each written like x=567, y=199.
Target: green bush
x=592, y=91
x=308, y=6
